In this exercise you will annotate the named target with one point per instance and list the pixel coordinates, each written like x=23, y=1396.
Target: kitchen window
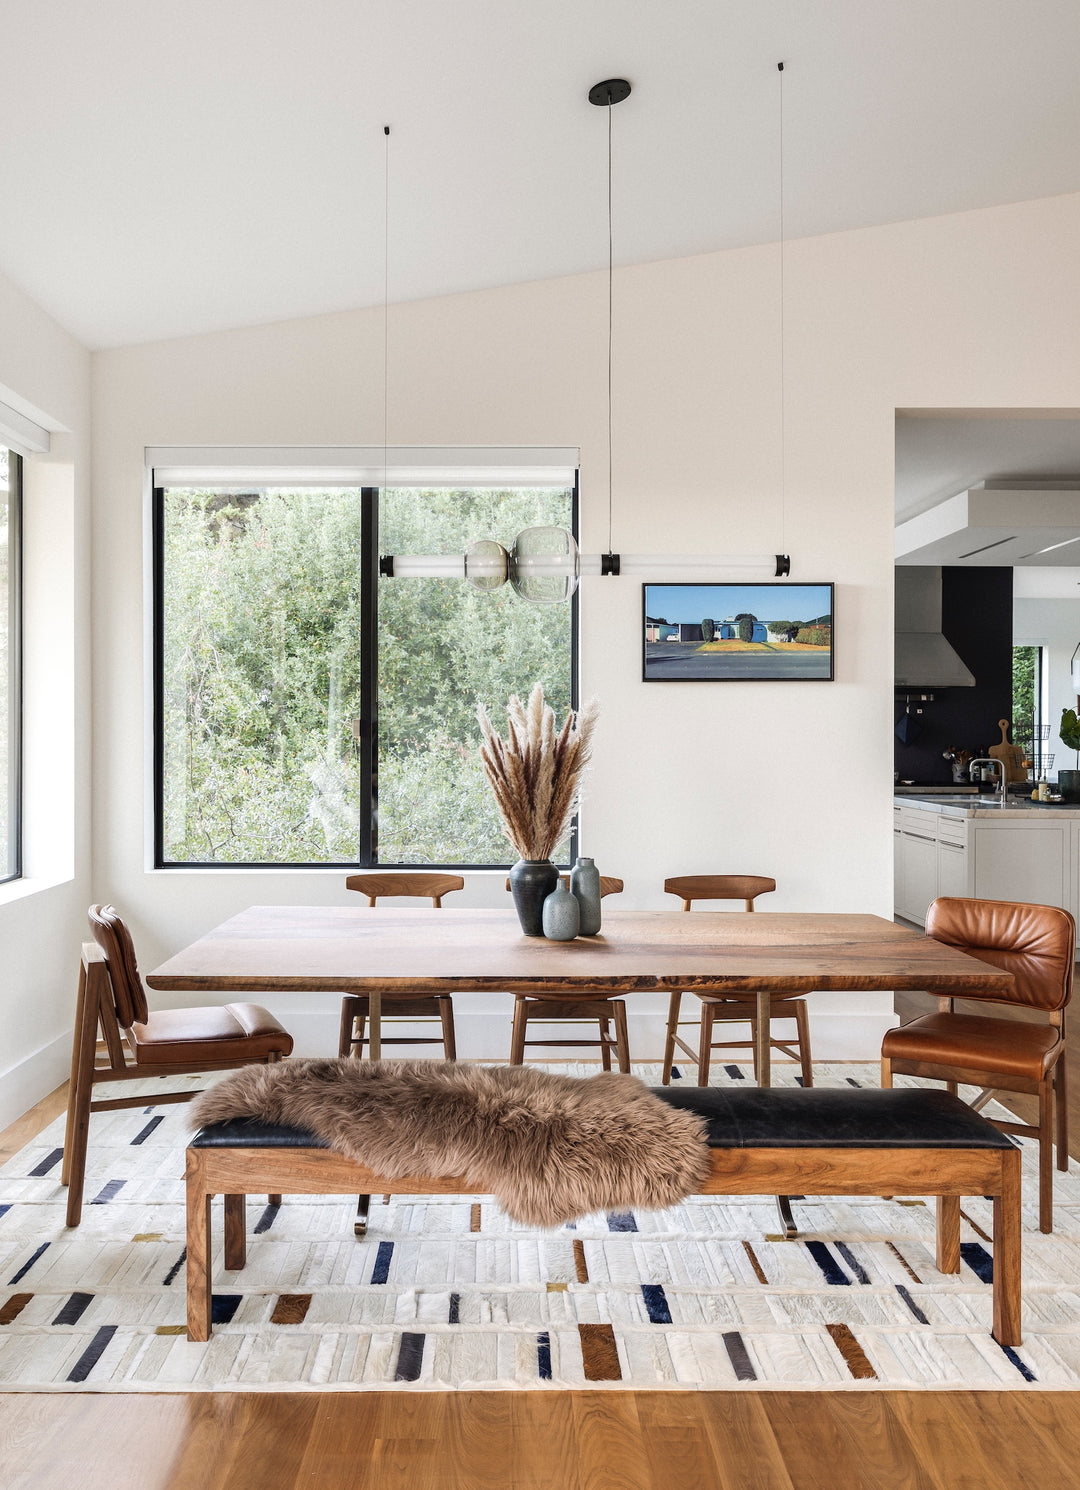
x=10, y=660
x=310, y=713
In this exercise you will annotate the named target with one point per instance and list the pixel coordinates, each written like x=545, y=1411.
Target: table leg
x=374, y=1026
x=762, y=1048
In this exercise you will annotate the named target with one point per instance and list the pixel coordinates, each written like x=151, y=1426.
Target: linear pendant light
x=544, y=564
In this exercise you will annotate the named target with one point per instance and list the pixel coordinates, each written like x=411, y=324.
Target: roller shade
x=404, y=465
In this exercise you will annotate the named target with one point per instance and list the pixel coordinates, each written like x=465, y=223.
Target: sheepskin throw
x=549, y=1148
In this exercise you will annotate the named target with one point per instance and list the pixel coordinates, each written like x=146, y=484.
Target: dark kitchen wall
x=976, y=617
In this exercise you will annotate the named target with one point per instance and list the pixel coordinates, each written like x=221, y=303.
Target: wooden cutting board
x=1010, y=756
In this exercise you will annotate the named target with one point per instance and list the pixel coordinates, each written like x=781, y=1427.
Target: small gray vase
x=562, y=915
x=585, y=887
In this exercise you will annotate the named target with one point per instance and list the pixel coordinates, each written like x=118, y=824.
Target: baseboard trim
x=34, y=1077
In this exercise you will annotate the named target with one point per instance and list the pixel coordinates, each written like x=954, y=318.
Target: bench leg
x=235, y=1231
x=948, y=1233
x=1007, y=1252
x=360, y=1224
x=198, y=1249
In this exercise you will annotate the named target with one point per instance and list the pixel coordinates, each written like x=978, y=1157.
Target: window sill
x=23, y=888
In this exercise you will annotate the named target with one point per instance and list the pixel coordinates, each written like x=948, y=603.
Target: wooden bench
x=824, y=1141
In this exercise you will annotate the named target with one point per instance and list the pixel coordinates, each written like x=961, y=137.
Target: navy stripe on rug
x=146, y=1132
x=28, y=1265
x=621, y=1221
x=735, y=1073
x=454, y=1313
x=656, y=1303
x=177, y=1265
x=92, y=1354
x=267, y=1219
x=831, y=1270
x=739, y=1356
x=74, y=1309
x=912, y=1305
x=223, y=1306
x=543, y=1356
x=381, y=1271
x=852, y=1082
x=4, y=1210
x=676, y=1073
x=46, y=1164
x=410, y=1358
x=978, y=1260
x=1024, y=1370
x=861, y=1275
x=108, y=1191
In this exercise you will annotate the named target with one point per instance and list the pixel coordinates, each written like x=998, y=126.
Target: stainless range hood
x=924, y=659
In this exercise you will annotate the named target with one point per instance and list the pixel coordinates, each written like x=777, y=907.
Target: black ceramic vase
x=531, y=882
x=1069, y=785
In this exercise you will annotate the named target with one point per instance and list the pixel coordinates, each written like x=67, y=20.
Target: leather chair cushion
x=248, y=1133
x=1003, y=1047
x=240, y=1032
x=825, y=1117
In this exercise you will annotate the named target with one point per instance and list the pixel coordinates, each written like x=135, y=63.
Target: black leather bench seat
x=248, y=1133
x=829, y=1117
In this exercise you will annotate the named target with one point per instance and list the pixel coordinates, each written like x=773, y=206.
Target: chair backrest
x=1036, y=943
x=114, y=939
x=416, y=886
x=609, y=885
x=744, y=887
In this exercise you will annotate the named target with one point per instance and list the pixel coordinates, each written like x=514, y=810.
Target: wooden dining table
x=385, y=954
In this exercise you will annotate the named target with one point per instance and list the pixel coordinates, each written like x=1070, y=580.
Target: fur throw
x=549, y=1148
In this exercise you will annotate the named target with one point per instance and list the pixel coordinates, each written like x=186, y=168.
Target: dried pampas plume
x=535, y=772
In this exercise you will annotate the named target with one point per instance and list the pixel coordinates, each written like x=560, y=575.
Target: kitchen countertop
x=987, y=807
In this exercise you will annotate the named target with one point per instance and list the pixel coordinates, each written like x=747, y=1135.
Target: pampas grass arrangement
x=535, y=772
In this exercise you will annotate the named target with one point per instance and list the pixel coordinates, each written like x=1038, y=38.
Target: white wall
x=43, y=916
x=1046, y=613
x=975, y=310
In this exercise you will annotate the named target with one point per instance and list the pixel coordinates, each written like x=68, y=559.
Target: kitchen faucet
x=990, y=760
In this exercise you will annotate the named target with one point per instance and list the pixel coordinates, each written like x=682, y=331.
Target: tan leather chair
x=599, y=1009
x=422, y=1008
x=731, y=1009
x=1037, y=944
x=166, y=1042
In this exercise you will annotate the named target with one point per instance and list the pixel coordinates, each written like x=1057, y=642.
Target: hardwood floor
x=542, y=1441
x=588, y=1440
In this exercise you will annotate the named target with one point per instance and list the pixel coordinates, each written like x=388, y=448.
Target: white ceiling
x=175, y=166
x=939, y=455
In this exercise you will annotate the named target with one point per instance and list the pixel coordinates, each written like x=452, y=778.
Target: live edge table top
x=281, y=949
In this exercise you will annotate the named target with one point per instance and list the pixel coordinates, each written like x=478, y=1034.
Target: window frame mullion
x=368, y=848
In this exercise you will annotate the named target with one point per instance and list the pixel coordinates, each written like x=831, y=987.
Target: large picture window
x=10, y=654
x=310, y=713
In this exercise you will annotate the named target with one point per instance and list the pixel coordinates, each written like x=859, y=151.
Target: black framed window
x=10, y=664
x=309, y=713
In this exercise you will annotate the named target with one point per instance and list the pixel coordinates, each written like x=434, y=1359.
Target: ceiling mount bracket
x=611, y=90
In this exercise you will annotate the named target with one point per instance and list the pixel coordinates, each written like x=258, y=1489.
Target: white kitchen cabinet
x=1015, y=860
x=952, y=869
x=920, y=875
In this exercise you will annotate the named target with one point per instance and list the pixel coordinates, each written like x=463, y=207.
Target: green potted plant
x=1069, y=781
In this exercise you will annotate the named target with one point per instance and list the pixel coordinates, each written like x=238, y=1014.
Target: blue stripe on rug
x=381, y=1271
x=1024, y=1370
x=621, y=1221
x=543, y=1356
x=410, y=1358
x=454, y=1315
x=74, y=1309
x=46, y=1164
x=108, y=1191
x=656, y=1303
x=912, y=1305
x=223, y=1306
x=735, y=1073
x=739, y=1356
x=830, y=1268
x=177, y=1265
x=92, y=1354
x=861, y=1275
x=28, y=1265
x=146, y=1132
x=267, y=1219
x=4, y=1210
x=676, y=1073
x=799, y=1081
x=978, y=1260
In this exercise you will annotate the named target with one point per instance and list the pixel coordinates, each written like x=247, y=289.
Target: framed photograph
x=737, y=633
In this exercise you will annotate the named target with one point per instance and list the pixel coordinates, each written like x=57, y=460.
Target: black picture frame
x=708, y=648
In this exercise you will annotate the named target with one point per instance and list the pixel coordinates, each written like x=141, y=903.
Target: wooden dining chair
x=137, y=1043
x=1037, y=944
x=597, y=1008
x=422, y=1007
x=731, y=1008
